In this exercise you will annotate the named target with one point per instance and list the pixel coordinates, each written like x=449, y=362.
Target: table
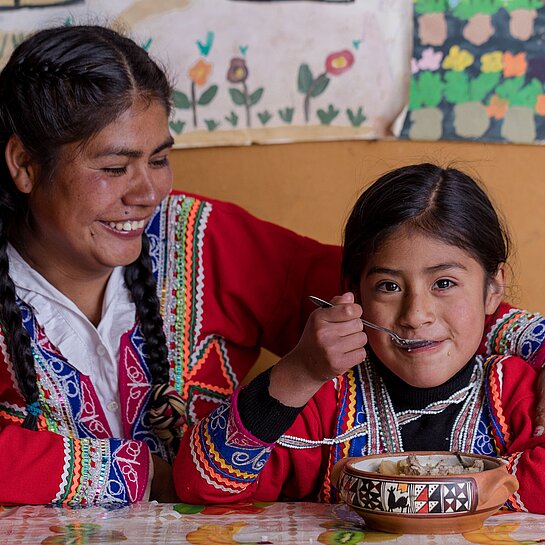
x=249, y=523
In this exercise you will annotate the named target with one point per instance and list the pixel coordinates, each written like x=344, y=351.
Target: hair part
x=444, y=203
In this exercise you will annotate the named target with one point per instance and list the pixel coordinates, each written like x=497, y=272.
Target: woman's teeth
x=127, y=225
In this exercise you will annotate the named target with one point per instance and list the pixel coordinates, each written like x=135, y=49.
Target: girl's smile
x=422, y=287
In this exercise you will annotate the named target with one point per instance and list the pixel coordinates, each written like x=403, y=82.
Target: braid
x=167, y=411
x=16, y=336
x=141, y=283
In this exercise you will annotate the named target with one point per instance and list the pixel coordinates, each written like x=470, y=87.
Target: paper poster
x=260, y=71
x=478, y=70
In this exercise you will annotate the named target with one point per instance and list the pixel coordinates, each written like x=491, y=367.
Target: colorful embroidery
x=179, y=228
x=364, y=405
x=520, y=333
x=68, y=400
x=224, y=453
x=514, y=503
x=493, y=388
x=90, y=476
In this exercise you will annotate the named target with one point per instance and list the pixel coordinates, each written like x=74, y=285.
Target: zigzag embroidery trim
x=65, y=471
x=9, y=365
x=515, y=498
x=196, y=460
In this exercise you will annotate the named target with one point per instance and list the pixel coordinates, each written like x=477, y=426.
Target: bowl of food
x=424, y=492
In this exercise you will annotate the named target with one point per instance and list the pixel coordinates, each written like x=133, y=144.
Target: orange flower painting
x=497, y=108
x=514, y=65
x=199, y=72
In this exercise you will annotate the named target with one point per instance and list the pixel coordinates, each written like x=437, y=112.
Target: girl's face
x=424, y=288
x=90, y=217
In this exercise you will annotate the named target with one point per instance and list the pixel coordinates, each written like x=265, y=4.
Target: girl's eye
x=444, y=283
x=388, y=286
x=115, y=171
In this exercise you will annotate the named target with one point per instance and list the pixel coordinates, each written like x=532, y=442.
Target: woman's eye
x=159, y=163
x=388, y=286
x=115, y=171
x=444, y=283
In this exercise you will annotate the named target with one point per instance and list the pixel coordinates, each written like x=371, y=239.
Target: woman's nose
x=146, y=189
x=417, y=310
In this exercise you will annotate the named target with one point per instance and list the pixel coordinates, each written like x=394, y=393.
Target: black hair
x=444, y=203
x=60, y=86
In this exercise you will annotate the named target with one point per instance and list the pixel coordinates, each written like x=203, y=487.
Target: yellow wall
x=311, y=187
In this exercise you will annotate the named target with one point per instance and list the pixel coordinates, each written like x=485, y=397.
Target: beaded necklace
x=383, y=424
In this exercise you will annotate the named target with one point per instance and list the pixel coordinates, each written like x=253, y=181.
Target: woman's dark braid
x=141, y=283
x=16, y=336
x=167, y=412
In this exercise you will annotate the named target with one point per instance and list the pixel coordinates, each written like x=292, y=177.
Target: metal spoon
x=407, y=344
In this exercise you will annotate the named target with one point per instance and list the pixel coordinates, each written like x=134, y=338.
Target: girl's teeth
x=126, y=225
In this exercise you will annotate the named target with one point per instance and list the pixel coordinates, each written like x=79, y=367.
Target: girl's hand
x=332, y=343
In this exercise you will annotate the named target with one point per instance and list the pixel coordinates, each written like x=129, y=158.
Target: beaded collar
x=382, y=424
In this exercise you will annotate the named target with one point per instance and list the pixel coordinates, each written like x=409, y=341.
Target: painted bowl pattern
x=423, y=503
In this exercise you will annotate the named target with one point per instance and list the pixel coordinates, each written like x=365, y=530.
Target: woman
x=89, y=238
x=127, y=312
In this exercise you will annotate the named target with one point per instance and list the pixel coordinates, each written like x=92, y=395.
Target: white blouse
x=93, y=351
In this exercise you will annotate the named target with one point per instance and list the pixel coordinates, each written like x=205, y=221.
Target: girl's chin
x=425, y=376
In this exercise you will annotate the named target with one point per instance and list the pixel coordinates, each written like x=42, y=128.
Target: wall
x=311, y=187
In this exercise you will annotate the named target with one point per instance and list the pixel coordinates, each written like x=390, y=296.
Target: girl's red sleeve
x=512, y=331
x=221, y=462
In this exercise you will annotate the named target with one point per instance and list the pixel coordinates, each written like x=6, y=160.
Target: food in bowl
x=424, y=504
x=413, y=465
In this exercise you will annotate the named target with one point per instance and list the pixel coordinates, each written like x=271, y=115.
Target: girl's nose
x=417, y=310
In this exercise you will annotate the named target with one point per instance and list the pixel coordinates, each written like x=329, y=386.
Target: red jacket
x=228, y=284
x=220, y=461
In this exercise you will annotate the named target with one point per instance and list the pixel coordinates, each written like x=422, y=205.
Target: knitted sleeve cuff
x=262, y=415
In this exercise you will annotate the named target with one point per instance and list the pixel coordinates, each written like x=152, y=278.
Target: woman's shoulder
x=508, y=363
x=509, y=376
x=179, y=196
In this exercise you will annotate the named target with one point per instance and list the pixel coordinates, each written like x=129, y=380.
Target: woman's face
x=90, y=217
x=424, y=288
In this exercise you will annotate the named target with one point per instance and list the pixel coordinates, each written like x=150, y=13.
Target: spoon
x=407, y=344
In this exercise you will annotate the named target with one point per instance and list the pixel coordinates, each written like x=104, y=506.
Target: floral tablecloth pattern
x=250, y=523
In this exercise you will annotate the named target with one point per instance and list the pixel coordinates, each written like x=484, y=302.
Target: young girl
x=424, y=255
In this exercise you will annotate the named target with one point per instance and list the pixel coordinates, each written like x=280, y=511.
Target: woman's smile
x=127, y=226
x=91, y=217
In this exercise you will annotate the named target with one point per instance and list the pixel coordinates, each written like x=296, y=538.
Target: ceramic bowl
x=445, y=504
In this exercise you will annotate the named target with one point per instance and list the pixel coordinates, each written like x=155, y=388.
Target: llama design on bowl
x=432, y=497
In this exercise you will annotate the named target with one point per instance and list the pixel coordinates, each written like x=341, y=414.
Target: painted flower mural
x=432, y=24
x=238, y=73
x=493, y=85
x=335, y=64
x=199, y=72
x=238, y=70
x=198, y=75
x=478, y=14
